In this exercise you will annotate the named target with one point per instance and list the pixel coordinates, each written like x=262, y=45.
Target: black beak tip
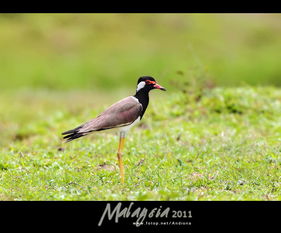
x=157, y=86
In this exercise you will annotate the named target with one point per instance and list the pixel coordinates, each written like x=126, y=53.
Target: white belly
x=125, y=129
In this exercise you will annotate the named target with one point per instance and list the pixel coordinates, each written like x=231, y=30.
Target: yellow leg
x=119, y=156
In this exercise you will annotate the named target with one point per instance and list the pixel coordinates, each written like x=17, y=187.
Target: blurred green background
x=100, y=51
x=214, y=135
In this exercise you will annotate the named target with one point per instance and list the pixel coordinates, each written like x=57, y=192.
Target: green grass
x=197, y=144
x=215, y=135
x=69, y=51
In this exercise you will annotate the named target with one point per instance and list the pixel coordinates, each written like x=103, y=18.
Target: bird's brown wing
x=122, y=113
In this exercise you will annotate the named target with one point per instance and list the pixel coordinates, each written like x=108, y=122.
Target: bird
x=123, y=115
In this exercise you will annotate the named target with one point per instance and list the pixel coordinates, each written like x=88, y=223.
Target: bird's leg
x=119, y=155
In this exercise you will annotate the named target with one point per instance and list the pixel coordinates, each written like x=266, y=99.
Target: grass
x=215, y=140
x=97, y=51
x=208, y=144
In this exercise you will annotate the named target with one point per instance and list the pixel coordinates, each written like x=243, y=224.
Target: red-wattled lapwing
x=123, y=114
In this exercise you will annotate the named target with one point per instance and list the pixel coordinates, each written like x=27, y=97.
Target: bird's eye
x=148, y=82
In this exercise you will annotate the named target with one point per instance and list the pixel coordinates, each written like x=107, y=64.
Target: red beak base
x=157, y=86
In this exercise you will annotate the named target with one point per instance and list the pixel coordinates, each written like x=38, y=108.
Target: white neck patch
x=140, y=85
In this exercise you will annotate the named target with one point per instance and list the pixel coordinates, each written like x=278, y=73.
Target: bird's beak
x=157, y=86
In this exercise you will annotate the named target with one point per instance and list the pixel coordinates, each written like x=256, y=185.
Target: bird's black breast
x=143, y=98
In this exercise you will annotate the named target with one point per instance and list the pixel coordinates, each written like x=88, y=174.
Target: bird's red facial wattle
x=155, y=85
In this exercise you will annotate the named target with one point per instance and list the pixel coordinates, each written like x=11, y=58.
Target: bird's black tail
x=72, y=134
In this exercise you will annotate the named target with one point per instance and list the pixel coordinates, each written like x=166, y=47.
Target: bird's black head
x=148, y=83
